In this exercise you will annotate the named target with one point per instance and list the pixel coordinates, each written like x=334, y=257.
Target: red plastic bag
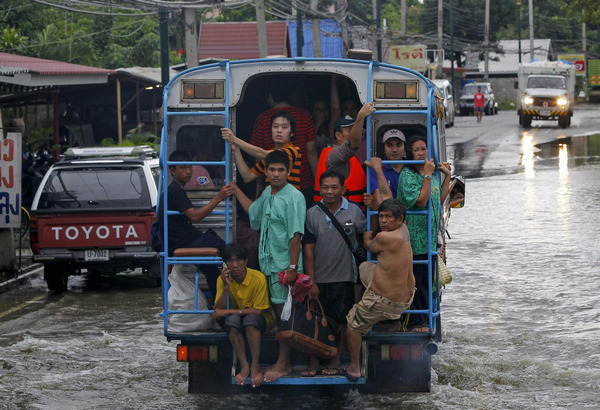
x=300, y=288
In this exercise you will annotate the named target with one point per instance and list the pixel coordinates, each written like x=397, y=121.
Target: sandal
x=330, y=371
x=309, y=372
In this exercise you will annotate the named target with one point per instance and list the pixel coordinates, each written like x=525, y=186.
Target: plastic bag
x=181, y=297
x=287, y=307
x=300, y=288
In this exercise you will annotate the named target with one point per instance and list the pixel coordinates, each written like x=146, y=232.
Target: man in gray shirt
x=328, y=259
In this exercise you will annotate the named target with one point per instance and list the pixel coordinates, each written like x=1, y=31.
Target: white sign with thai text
x=10, y=181
x=412, y=57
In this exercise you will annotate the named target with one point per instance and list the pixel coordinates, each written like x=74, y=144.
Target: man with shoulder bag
x=332, y=227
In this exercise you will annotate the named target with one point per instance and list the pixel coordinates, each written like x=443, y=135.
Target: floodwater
x=521, y=319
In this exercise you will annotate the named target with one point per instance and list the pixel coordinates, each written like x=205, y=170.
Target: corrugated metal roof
x=239, y=40
x=150, y=74
x=6, y=70
x=40, y=66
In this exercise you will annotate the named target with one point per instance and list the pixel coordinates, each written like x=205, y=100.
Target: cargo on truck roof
x=140, y=150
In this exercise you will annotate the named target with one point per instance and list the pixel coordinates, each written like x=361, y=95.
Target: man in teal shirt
x=279, y=214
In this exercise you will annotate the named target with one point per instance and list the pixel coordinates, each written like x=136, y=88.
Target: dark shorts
x=337, y=299
x=480, y=109
x=243, y=321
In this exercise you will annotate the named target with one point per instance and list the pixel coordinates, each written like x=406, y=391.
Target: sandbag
x=181, y=297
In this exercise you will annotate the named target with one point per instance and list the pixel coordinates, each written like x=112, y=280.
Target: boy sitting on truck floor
x=283, y=129
x=182, y=233
x=390, y=283
x=248, y=314
x=279, y=214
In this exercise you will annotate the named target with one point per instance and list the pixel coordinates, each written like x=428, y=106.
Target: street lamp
x=519, y=5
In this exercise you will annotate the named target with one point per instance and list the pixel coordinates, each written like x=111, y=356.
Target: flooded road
x=521, y=318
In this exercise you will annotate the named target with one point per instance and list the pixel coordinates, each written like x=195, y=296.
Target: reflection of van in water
x=198, y=102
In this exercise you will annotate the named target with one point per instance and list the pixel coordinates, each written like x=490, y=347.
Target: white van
x=446, y=90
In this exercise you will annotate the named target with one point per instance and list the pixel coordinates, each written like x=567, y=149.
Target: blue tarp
x=331, y=39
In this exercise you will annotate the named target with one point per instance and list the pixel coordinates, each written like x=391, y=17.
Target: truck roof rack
x=90, y=152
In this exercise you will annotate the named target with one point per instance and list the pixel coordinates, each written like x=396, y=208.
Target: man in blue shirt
x=384, y=178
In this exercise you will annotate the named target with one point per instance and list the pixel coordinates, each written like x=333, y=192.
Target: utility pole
x=519, y=34
x=377, y=31
x=191, y=37
x=486, y=42
x=316, y=30
x=341, y=6
x=440, y=44
x=452, y=46
x=261, y=29
x=299, y=33
x=531, y=37
x=163, y=18
x=379, y=34
x=403, y=19
x=583, y=35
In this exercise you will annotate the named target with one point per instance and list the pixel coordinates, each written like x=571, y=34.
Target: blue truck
x=200, y=101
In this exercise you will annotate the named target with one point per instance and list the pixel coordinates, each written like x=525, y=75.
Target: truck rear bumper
x=77, y=257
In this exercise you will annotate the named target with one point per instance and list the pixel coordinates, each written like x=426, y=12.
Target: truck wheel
x=56, y=278
x=526, y=121
x=488, y=111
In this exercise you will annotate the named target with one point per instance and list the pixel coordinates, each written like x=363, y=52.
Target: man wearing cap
x=384, y=177
x=342, y=157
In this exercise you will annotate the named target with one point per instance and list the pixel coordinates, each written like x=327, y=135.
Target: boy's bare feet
x=275, y=373
x=242, y=376
x=256, y=377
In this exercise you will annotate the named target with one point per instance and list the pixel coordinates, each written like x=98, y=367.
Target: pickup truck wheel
x=56, y=278
x=526, y=121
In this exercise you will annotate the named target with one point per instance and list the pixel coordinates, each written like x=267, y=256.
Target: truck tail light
x=195, y=353
x=401, y=352
x=33, y=237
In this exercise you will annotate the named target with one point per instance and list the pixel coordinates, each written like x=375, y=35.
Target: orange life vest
x=356, y=183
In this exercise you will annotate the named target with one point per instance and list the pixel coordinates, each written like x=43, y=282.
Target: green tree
x=11, y=41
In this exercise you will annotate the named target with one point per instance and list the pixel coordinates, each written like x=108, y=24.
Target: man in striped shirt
x=305, y=136
x=283, y=129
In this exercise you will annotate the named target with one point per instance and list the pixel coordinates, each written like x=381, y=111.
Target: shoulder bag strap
x=335, y=223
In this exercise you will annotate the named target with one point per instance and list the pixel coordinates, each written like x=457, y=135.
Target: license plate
x=545, y=113
x=96, y=255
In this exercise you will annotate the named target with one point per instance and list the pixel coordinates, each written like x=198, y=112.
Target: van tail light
x=33, y=237
x=196, y=353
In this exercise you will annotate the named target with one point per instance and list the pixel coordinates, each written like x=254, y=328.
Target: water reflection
x=469, y=157
x=527, y=156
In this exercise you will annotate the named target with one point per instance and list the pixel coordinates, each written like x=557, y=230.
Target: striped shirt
x=295, y=164
x=305, y=132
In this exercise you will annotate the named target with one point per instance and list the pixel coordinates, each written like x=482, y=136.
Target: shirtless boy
x=390, y=283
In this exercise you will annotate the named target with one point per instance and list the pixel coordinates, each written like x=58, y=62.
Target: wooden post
x=119, y=117
x=316, y=30
x=191, y=38
x=261, y=29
